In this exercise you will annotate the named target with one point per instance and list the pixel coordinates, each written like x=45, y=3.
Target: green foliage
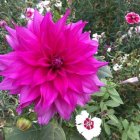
x=49, y=132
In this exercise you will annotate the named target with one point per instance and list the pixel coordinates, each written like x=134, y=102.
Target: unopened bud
x=23, y=124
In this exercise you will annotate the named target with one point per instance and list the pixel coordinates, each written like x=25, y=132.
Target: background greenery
x=118, y=105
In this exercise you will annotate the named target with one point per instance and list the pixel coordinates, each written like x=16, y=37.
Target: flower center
x=56, y=63
x=88, y=124
x=28, y=13
x=133, y=17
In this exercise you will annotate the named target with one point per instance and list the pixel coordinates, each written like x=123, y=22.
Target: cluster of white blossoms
x=97, y=37
x=43, y=6
x=87, y=126
x=123, y=59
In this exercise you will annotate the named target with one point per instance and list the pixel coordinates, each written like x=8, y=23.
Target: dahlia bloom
x=87, y=126
x=132, y=18
x=51, y=66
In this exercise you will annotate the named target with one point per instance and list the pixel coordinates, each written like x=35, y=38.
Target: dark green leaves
x=49, y=132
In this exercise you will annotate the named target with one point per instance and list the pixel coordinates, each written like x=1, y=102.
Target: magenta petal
x=28, y=95
x=61, y=84
x=63, y=108
x=12, y=42
x=61, y=22
x=47, y=98
x=6, y=60
x=47, y=115
x=11, y=31
x=83, y=99
x=37, y=21
x=7, y=84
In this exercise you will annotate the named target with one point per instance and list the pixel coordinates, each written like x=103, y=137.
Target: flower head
x=3, y=23
x=29, y=13
x=87, y=126
x=137, y=29
x=117, y=67
x=132, y=18
x=51, y=66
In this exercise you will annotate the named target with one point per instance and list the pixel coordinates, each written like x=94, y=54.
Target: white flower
x=117, y=67
x=22, y=16
x=43, y=5
x=124, y=58
x=130, y=31
x=87, y=126
x=137, y=29
x=123, y=36
x=109, y=49
x=58, y=4
x=96, y=37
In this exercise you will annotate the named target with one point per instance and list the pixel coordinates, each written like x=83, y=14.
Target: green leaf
x=107, y=129
x=99, y=94
x=125, y=124
x=116, y=99
x=103, y=106
x=113, y=91
x=49, y=132
x=124, y=136
x=104, y=72
x=113, y=118
x=112, y=103
x=91, y=109
x=132, y=132
x=106, y=96
x=76, y=136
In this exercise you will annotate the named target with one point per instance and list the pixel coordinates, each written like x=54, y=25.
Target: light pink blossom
x=132, y=18
x=2, y=23
x=29, y=13
x=52, y=66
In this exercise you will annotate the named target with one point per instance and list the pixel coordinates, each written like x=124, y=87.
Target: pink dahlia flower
x=132, y=18
x=51, y=66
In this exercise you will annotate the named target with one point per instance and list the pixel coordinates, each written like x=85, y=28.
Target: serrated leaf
x=113, y=118
x=104, y=72
x=49, y=132
x=112, y=103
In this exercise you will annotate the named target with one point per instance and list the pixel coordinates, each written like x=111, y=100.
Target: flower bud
x=23, y=124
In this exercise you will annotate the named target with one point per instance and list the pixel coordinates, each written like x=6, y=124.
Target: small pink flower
x=2, y=23
x=132, y=18
x=29, y=13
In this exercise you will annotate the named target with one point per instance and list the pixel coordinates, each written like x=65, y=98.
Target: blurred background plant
x=118, y=105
